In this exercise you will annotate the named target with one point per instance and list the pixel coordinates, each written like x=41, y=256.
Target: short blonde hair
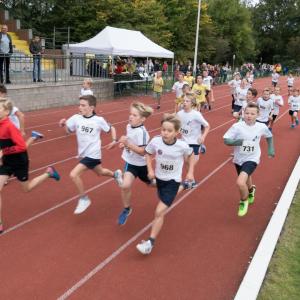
x=144, y=110
x=6, y=104
x=89, y=81
x=172, y=118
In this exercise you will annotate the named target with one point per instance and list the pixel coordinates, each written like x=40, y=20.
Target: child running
x=251, y=96
x=245, y=137
x=200, y=90
x=290, y=82
x=18, y=119
x=177, y=88
x=294, y=103
x=240, y=98
x=234, y=84
x=277, y=103
x=170, y=154
x=86, y=87
x=134, y=144
x=265, y=105
x=158, y=84
x=192, y=122
x=275, y=78
x=207, y=81
x=14, y=157
x=88, y=127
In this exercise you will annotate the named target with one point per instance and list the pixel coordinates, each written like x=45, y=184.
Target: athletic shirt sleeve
x=150, y=148
x=201, y=119
x=71, y=123
x=105, y=126
x=231, y=132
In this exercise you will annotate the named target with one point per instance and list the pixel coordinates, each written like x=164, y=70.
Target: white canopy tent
x=123, y=42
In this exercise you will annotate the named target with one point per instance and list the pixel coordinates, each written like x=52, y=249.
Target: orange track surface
x=203, y=250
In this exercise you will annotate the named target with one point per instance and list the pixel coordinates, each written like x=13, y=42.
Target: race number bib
x=87, y=130
x=248, y=147
x=168, y=166
x=295, y=106
x=186, y=130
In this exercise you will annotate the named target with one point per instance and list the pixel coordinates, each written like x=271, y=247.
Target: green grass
x=282, y=281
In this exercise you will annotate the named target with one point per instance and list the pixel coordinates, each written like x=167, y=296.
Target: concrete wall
x=45, y=95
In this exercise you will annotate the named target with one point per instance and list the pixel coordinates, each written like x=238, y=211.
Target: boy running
x=294, y=103
x=277, y=103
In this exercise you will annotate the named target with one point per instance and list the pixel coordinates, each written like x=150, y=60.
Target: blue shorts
x=90, y=163
x=167, y=190
x=247, y=167
x=237, y=108
x=195, y=148
x=138, y=171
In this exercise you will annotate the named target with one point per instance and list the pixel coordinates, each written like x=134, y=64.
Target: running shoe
x=145, y=247
x=252, y=195
x=243, y=208
x=82, y=205
x=53, y=173
x=118, y=176
x=293, y=126
x=1, y=228
x=297, y=122
x=202, y=149
x=188, y=185
x=124, y=216
x=36, y=135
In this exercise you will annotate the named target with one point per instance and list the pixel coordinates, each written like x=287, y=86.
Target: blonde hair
x=88, y=81
x=191, y=96
x=172, y=118
x=6, y=104
x=144, y=110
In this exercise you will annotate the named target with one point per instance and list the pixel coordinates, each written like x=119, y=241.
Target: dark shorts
x=274, y=117
x=237, y=108
x=274, y=83
x=207, y=93
x=138, y=171
x=266, y=123
x=17, y=165
x=90, y=163
x=247, y=167
x=195, y=148
x=167, y=190
x=291, y=112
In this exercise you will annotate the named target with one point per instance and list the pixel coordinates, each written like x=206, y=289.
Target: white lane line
x=256, y=272
x=117, y=252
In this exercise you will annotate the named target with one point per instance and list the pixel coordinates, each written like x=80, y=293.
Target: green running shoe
x=252, y=195
x=243, y=208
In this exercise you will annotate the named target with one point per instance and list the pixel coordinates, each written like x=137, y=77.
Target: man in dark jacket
x=36, y=50
x=6, y=49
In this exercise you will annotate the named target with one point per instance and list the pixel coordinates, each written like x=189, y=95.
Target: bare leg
x=242, y=183
x=3, y=179
x=103, y=172
x=126, y=188
x=158, y=222
x=75, y=176
x=31, y=184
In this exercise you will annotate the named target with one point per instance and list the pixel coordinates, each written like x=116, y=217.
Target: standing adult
x=6, y=49
x=36, y=50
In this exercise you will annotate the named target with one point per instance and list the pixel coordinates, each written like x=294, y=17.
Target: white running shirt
x=86, y=92
x=290, y=81
x=13, y=117
x=191, y=126
x=277, y=101
x=177, y=88
x=294, y=103
x=265, y=109
x=207, y=82
x=139, y=137
x=169, y=159
x=234, y=84
x=240, y=96
x=250, y=150
x=88, y=130
x=275, y=77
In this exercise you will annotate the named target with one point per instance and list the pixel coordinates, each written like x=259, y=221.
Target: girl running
x=158, y=84
x=245, y=137
x=207, y=81
x=133, y=145
x=177, y=88
x=275, y=78
x=14, y=157
x=192, y=122
x=290, y=82
x=294, y=103
x=200, y=90
x=277, y=103
x=88, y=126
x=234, y=84
x=240, y=98
x=170, y=154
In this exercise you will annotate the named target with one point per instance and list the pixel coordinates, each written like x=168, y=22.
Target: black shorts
x=90, y=163
x=17, y=165
x=274, y=83
x=138, y=171
x=266, y=123
x=207, y=93
x=247, y=167
x=237, y=108
x=195, y=148
x=274, y=117
x=291, y=112
x=167, y=190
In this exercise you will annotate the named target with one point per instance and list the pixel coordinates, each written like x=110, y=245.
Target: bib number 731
x=247, y=147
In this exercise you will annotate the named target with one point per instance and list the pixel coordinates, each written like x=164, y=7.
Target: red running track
x=202, y=252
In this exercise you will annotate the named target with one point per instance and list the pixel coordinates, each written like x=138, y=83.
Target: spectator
x=36, y=50
x=6, y=49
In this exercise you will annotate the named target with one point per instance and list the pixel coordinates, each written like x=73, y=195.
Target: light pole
x=233, y=58
x=197, y=35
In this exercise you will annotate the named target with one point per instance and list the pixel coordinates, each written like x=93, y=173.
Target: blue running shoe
x=36, y=135
x=124, y=216
x=52, y=173
x=293, y=126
